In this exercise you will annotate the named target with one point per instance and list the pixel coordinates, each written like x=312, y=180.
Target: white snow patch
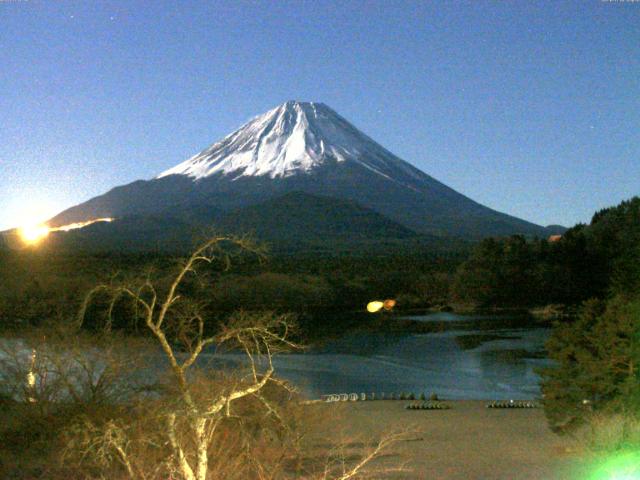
x=293, y=138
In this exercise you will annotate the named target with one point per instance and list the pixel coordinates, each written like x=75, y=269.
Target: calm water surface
x=470, y=357
x=467, y=357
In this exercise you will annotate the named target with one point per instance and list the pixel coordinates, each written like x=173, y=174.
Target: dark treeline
x=586, y=262
x=37, y=286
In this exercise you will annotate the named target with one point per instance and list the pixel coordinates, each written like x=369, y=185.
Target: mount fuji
x=307, y=153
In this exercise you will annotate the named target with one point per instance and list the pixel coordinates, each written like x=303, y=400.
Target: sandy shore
x=467, y=442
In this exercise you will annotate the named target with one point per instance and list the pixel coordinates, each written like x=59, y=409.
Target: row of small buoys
x=512, y=404
x=344, y=397
x=428, y=406
x=353, y=397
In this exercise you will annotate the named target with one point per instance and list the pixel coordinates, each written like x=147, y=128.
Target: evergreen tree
x=598, y=360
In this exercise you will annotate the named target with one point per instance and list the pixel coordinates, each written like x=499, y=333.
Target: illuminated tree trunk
x=202, y=458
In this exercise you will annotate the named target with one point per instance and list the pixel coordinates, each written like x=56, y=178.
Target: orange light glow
x=74, y=226
x=32, y=234
x=389, y=304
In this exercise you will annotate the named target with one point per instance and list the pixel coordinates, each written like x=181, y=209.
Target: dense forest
x=585, y=262
x=38, y=286
x=597, y=353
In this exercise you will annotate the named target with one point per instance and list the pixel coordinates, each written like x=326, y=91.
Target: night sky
x=531, y=108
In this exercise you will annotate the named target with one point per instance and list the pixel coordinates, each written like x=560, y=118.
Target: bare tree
x=338, y=468
x=195, y=407
x=51, y=366
x=176, y=321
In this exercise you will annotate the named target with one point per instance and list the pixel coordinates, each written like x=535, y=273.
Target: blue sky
x=531, y=108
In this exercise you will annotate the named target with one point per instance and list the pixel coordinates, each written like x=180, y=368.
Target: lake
x=469, y=357
x=463, y=357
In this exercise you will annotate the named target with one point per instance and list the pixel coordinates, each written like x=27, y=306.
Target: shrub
x=606, y=433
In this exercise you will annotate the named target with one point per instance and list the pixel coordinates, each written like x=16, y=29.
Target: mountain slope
x=305, y=147
x=295, y=221
x=312, y=218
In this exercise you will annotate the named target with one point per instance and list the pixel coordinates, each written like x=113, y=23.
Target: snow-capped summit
x=292, y=138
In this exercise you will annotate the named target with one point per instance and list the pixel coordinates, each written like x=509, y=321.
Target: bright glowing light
x=621, y=466
x=31, y=376
x=377, y=305
x=73, y=226
x=32, y=234
x=30, y=213
x=373, y=307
